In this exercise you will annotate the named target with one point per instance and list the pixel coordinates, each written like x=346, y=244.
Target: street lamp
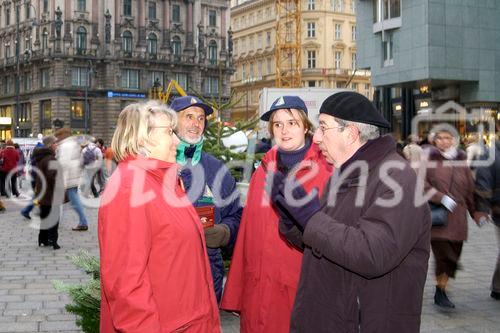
x=87, y=107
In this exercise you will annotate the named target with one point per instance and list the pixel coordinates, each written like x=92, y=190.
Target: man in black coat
x=366, y=241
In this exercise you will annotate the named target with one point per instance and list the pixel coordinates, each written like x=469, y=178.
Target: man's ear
x=352, y=135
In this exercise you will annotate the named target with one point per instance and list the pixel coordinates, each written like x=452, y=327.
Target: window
x=259, y=69
x=386, y=10
x=7, y=84
x=127, y=42
x=212, y=18
x=25, y=113
x=176, y=13
x=311, y=83
x=259, y=41
x=45, y=39
x=338, y=5
x=44, y=78
x=212, y=52
x=250, y=72
x=27, y=81
x=235, y=47
x=130, y=78
x=353, y=6
x=251, y=44
x=46, y=108
x=268, y=39
x=152, y=44
x=27, y=9
x=212, y=85
x=77, y=109
x=127, y=7
x=81, y=40
x=269, y=66
x=338, y=31
x=81, y=5
x=311, y=59
x=387, y=47
x=353, y=33
x=155, y=77
x=152, y=10
x=7, y=16
x=182, y=80
x=311, y=29
x=45, y=6
x=176, y=46
x=337, y=60
x=7, y=51
x=354, y=86
x=79, y=77
x=353, y=61
x=243, y=72
x=341, y=85
x=311, y=4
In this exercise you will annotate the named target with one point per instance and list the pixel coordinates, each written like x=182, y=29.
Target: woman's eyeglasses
x=170, y=131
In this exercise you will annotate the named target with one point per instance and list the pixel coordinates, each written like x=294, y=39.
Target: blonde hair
x=308, y=126
x=134, y=125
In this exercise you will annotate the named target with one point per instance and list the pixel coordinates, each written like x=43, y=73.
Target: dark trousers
x=447, y=254
x=49, y=226
x=2, y=183
x=8, y=189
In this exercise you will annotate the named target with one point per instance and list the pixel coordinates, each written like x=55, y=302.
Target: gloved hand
x=301, y=214
x=217, y=236
x=448, y=203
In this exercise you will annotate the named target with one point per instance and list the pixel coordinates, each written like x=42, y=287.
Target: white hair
x=366, y=131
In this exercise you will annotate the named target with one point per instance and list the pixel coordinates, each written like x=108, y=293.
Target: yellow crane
x=288, y=43
x=157, y=92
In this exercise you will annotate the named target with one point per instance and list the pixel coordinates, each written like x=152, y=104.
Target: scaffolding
x=288, y=44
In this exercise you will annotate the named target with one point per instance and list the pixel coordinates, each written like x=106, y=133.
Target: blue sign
x=112, y=94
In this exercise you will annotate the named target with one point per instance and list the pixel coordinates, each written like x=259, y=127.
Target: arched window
x=212, y=52
x=127, y=42
x=152, y=44
x=176, y=46
x=81, y=40
x=45, y=39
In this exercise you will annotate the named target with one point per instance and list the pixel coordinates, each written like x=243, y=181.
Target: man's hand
x=300, y=214
x=481, y=218
x=217, y=236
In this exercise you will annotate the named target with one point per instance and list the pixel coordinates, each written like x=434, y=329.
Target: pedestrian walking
x=155, y=274
x=366, y=241
x=412, y=151
x=69, y=156
x=265, y=268
x=33, y=174
x=451, y=179
x=49, y=189
x=488, y=205
x=9, y=158
x=208, y=182
x=92, y=161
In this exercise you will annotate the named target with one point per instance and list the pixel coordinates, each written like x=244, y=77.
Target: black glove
x=299, y=214
x=217, y=236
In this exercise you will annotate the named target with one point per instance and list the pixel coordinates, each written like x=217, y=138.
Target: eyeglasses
x=170, y=130
x=323, y=129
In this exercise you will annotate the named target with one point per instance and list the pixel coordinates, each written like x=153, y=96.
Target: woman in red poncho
x=155, y=275
x=265, y=268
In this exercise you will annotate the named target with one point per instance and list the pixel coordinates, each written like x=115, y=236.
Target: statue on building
x=230, y=42
x=58, y=22
x=201, y=44
x=107, y=27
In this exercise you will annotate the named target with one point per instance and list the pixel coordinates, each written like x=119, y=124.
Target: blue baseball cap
x=285, y=102
x=182, y=103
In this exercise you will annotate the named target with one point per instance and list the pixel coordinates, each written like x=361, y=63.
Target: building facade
x=79, y=62
x=329, y=52
x=424, y=53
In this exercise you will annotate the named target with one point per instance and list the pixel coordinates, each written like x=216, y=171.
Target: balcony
x=85, y=52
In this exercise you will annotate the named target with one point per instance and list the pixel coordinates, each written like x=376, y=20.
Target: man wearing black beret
x=366, y=241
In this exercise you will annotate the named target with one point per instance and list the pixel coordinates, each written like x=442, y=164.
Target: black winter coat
x=365, y=266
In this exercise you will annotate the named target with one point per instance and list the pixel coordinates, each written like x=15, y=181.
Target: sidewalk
x=29, y=303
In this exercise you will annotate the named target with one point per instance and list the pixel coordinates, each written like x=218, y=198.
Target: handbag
x=439, y=213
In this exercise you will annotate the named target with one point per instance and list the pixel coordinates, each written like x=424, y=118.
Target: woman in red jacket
x=155, y=275
x=265, y=268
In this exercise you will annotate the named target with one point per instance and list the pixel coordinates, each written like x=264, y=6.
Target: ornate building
x=328, y=49
x=77, y=63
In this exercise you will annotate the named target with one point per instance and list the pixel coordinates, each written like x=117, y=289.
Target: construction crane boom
x=288, y=43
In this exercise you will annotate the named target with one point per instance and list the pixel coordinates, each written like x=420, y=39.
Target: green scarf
x=181, y=157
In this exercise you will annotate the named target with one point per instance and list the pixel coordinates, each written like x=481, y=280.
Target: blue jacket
x=488, y=187
x=212, y=173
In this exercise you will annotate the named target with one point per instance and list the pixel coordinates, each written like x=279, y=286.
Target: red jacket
x=265, y=268
x=10, y=158
x=155, y=275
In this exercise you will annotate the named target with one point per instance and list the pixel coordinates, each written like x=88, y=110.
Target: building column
x=118, y=6
x=189, y=28
x=408, y=103
x=94, y=20
x=67, y=16
x=166, y=25
x=141, y=23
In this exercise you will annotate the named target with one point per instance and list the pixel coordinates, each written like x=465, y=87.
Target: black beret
x=351, y=106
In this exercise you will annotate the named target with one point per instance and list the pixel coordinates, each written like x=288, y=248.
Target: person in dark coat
x=207, y=182
x=488, y=202
x=10, y=158
x=452, y=181
x=366, y=241
x=49, y=190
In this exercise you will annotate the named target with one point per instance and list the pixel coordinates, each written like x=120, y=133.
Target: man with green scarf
x=207, y=182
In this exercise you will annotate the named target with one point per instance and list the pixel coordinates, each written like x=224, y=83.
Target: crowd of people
x=336, y=233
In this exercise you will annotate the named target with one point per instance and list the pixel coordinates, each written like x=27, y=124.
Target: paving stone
x=18, y=327
x=55, y=326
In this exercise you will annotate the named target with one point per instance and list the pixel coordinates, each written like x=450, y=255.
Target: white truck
x=312, y=97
